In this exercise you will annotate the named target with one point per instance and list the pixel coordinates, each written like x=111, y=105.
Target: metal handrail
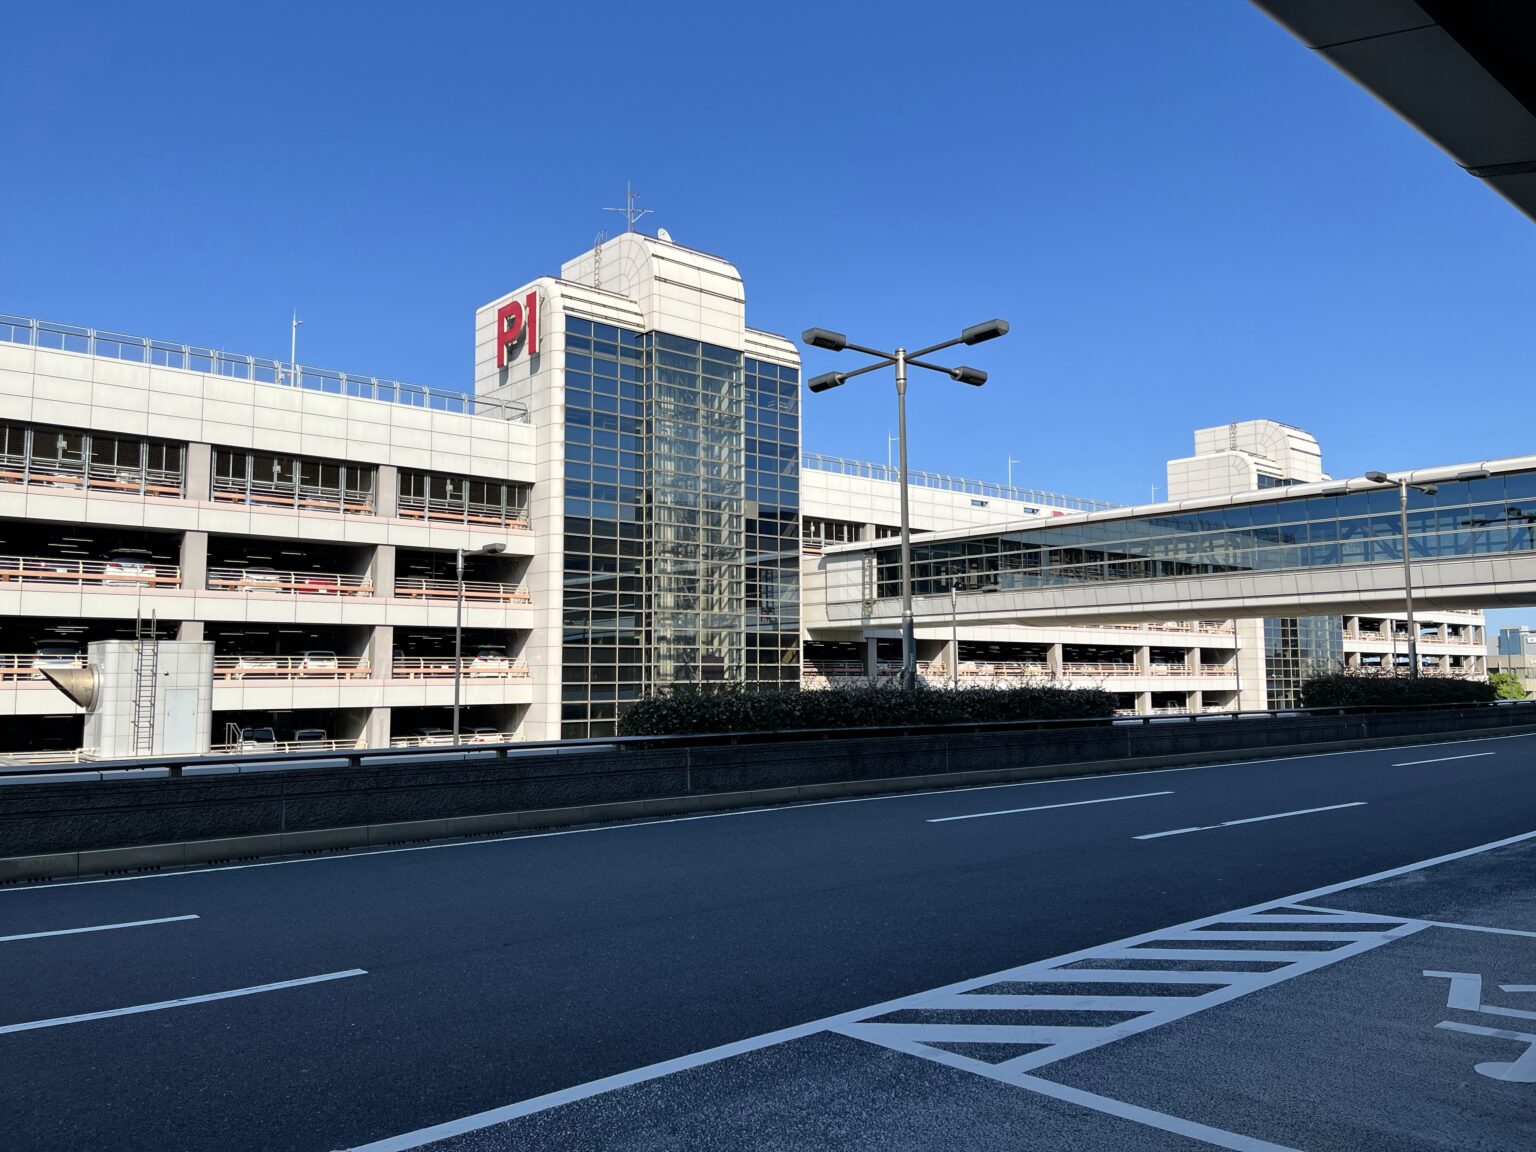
x=259, y=667
x=816, y=462
x=288, y=583
x=24, y=667
x=96, y=573
x=473, y=667
x=260, y=370
x=275, y=494
x=428, y=588
x=447, y=741
x=459, y=512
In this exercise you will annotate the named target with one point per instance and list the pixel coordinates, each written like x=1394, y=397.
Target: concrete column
x=1193, y=658
x=386, y=491
x=376, y=731
x=199, y=465
x=194, y=561
x=190, y=630
x=1143, y=659
x=871, y=657
x=382, y=570
x=381, y=651
x=1053, y=661
x=1143, y=703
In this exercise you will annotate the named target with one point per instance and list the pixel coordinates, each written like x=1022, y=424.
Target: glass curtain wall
x=605, y=610
x=772, y=651
x=1296, y=649
x=695, y=528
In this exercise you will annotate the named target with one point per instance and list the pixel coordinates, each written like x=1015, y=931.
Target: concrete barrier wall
x=267, y=812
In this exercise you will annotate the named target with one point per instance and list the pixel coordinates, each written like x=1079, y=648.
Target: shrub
x=1354, y=687
x=1507, y=685
x=732, y=708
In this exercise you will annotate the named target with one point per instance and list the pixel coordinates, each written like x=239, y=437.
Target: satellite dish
x=663, y=234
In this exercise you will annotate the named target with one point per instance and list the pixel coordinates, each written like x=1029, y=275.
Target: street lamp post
x=837, y=342
x=954, y=634
x=1403, y=484
x=494, y=549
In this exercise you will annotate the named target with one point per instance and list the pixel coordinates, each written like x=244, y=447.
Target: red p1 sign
x=517, y=327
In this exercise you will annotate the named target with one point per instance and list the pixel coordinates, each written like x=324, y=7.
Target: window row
x=101, y=461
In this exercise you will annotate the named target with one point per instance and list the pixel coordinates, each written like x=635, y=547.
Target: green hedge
x=691, y=709
x=1346, y=689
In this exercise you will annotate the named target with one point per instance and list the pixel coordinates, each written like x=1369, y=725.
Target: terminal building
x=626, y=488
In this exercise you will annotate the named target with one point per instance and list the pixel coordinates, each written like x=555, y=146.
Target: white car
x=55, y=656
x=318, y=660
x=128, y=566
x=489, y=662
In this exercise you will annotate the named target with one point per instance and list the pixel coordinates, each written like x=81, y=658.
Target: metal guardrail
x=817, y=462
x=487, y=753
x=215, y=362
x=89, y=573
x=312, y=667
x=292, y=583
x=426, y=588
x=474, y=667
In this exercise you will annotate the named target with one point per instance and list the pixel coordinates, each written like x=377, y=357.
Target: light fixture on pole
x=293, y=351
x=837, y=342
x=494, y=549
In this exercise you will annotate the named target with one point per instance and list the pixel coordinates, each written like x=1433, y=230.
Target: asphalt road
x=472, y=975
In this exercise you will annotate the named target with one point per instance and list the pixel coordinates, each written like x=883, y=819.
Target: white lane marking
x=1045, y=807
x=94, y=928
x=1437, y=924
x=363, y=854
x=422, y=1136
x=181, y=1003
x=1443, y=759
x=1174, y=1124
x=1251, y=820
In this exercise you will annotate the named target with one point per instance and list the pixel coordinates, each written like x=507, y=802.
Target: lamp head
x=990, y=330
x=494, y=549
x=1377, y=477
x=825, y=381
x=972, y=376
x=1474, y=474
x=823, y=338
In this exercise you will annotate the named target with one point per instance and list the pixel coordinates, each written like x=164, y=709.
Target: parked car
x=128, y=566
x=317, y=660
x=251, y=663
x=306, y=736
x=489, y=662
x=430, y=735
x=260, y=580
x=257, y=739
x=481, y=734
x=55, y=656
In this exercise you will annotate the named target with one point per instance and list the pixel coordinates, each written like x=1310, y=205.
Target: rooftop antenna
x=597, y=259
x=889, y=440
x=632, y=211
x=1011, y=463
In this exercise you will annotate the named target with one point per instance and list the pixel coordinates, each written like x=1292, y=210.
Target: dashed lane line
x=1249, y=820
x=1045, y=807
x=135, y=1009
x=95, y=928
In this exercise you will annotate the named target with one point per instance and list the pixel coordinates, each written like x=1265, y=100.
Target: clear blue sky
x=1187, y=218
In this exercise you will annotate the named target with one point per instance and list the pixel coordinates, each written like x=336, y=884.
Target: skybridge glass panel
x=1489, y=517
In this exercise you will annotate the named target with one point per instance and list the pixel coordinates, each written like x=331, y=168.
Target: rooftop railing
x=214, y=361
x=816, y=462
